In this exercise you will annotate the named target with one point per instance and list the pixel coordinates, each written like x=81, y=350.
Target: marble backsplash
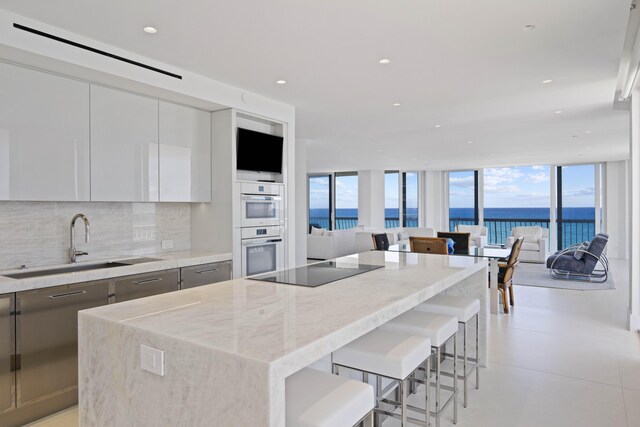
x=37, y=233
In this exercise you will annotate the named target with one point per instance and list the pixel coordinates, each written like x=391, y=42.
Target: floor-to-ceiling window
x=391, y=199
x=410, y=199
x=576, y=206
x=320, y=201
x=346, y=200
x=514, y=197
x=463, y=198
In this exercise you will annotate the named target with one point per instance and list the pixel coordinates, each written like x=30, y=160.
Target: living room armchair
x=535, y=244
x=478, y=234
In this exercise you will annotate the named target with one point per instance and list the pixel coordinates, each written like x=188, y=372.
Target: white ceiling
x=465, y=64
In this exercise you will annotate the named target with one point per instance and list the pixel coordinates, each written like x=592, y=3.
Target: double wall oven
x=261, y=228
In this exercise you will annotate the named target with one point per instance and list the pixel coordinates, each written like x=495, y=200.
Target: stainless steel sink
x=78, y=267
x=62, y=270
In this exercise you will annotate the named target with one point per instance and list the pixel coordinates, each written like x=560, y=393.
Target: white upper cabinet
x=185, y=154
x=44, y=136
x=124, y=146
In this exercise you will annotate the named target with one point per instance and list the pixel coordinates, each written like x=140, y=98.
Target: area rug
x=528, y=274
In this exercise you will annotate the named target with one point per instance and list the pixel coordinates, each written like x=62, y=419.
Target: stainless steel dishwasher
x=7, y=351
x=47, y=338
x=205, y=274
x=144, y=285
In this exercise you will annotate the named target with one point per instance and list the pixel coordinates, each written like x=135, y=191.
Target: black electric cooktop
x=315, y=274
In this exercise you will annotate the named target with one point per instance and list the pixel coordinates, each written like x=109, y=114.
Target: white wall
x=301, y=203
x=616, y=209
x=634, y=235
x=371, y=198
x=436, y=201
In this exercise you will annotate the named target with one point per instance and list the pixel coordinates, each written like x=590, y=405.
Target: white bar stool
x=319, y=399
x=391, y=355
x=465, y=309
x=439, y=328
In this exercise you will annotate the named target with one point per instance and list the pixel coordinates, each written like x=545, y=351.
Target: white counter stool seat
x=439, y=328
x=395, y=356
x=465, y=309
x=319, y=399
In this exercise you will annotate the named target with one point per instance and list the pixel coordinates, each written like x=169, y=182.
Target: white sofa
x=478, y=234
x=332, y=243
x=364, y=242
x=535, y=245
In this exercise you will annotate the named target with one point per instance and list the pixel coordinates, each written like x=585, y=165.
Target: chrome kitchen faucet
x=73, y=253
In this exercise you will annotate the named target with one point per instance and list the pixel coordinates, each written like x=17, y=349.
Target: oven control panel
x=260, y=232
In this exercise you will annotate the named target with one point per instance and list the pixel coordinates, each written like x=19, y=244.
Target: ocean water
x=578, y=225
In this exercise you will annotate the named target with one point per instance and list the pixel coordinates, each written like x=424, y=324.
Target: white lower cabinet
x=44, y=136
x=185, y=154
x=124, y=146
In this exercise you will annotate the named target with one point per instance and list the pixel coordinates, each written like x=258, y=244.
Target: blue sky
x=522, y=186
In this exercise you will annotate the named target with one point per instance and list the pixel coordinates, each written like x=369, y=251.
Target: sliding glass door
x=346, y=200
x=320, y=201
x=391, y=199
x=410, y=199
x=576, y=206
x=463, y=198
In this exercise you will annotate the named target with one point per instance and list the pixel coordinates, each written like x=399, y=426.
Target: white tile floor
x=561, y=358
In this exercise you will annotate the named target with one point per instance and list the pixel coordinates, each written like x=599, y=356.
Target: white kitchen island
x=228, y=347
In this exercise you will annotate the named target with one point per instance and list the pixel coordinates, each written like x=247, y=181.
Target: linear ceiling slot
x=94, y=50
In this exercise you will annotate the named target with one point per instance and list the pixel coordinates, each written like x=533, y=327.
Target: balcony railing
x=350, y=222
x=498, y=229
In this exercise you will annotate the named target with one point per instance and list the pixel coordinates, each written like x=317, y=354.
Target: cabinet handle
x=208, y=270
x=68, y=294
x=142, y=282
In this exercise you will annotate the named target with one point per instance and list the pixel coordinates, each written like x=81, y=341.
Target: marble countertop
x=163, y=261
x=289, y=327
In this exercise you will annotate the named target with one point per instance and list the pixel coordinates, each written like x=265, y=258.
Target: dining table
x=491, y=253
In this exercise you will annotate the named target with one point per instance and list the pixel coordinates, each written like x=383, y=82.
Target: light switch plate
x=152, y=360
x=167, y=244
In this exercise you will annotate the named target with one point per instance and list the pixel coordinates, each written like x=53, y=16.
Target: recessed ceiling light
x=469, y=142
x=396, y=104
x=528, y=27
x=438, y=126
x=385, y=61
x=574, y=136
x=281, y=82
x=150, y=30
x=547, y=81
x=559, y=112
x=588, y=131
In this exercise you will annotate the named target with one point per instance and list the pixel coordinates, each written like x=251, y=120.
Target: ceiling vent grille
x=94, y=50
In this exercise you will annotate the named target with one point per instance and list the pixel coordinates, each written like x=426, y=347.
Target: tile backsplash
x=37, y=233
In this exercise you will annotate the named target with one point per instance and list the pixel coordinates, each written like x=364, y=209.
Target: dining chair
x=505, y=274
x=428, y=245
x=380, y=241
x=460, y=240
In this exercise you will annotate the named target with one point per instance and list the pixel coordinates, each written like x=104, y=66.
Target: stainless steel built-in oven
x=261, y=205
x=262, y=250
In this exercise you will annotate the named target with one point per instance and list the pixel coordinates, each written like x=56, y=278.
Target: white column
x=553, y=199
x=422, y=199
x=634, y=184
x=598, y=197
x=480, y=196
x=301, y=204
x=371, y=198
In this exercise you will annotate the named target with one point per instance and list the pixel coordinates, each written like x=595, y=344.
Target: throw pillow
x=530, y=234
x=403, y=235
x=317, y=231
x=578, y=254
x=450, y=244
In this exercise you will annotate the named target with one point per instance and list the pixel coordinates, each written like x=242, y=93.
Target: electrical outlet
x=167, y=244
x=152, y=360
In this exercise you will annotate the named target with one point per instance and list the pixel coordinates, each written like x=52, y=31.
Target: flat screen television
x=259, y=152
